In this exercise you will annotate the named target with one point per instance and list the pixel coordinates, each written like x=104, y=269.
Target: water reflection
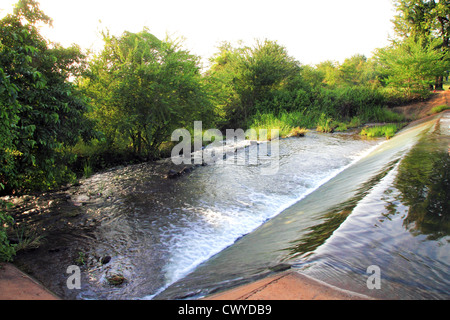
x=398, y=221
x=423, y=186
x=424, y=182
x=318, y=234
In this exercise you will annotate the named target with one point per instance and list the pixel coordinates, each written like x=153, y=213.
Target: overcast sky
x=312, y=30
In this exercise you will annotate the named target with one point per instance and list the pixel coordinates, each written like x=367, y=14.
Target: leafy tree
x=412, y=65
x=41, y=112
x=425, y=19
x=353, y=70
x=330, y=73
x=251, y=77
x=144, y=88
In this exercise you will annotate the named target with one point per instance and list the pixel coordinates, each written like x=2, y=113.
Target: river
x=337, y=205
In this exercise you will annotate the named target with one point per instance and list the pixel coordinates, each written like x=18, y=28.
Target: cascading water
x=162, y=229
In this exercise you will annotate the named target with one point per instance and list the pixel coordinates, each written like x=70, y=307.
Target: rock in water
x=106, y=259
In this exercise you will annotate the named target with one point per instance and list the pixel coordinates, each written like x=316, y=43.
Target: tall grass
x=382, y=114
x=288, y=124
x=387, y=130
x=325, y=124
x=438, y=109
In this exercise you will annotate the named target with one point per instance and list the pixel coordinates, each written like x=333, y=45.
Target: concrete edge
x=289, y=285
x=16, y=285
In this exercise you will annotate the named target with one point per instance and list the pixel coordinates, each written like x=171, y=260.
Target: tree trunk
x=439, y=83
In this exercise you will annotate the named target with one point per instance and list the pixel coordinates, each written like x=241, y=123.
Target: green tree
x=330, y=73
x=425, y=19
x=412, y=65
x=41, y=111
x=144, y=88
x=252, y=76
x=353, y=70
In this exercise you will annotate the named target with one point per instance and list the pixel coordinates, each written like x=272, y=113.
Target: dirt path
x=422, y=109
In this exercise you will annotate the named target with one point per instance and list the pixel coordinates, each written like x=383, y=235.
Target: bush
x=383, y=114
x=288, y=124
x=439, y=109
x=325, y=124
x=7, y=250
x=349, y=101
x=387, y=131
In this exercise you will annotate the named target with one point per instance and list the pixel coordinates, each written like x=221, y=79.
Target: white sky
x=312, y=30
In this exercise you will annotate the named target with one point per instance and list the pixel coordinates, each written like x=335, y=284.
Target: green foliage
x=250, y=80
x=426, y=21
x=7, y=250
x=142, y=89
x=325, y=124
x=269, y=122
x=413, y=66
x=289, y=124
x=387, y=131
x=438, y=109
x=348, y=101
x=41, y=111
x=383, y=114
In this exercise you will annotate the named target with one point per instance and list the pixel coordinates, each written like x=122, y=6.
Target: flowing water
x=337, y=205
x=390, y=209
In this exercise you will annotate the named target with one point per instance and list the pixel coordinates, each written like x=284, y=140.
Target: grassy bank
x=288, y=123
x=388, y=130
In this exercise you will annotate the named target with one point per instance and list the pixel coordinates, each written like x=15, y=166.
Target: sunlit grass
x=297, y=132
x=388, y=130
x=438, y=109
x=285, y=124
x=325, y=124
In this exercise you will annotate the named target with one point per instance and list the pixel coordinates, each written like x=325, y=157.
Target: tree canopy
x=143, y=88
x=425, y=20
x=41, y=111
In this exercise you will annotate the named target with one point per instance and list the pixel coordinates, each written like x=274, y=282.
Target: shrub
x=7, y=250
x=387, y=131
x=325, y=124
x=438, y=109
x=341, y=127
x=354, y=122
x=383, y=114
